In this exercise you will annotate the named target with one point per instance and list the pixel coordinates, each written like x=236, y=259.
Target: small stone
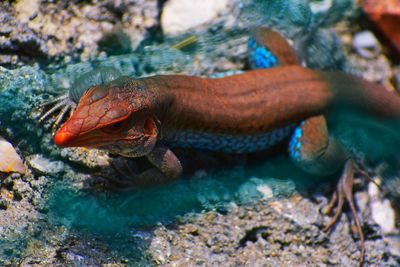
x=26, y=10
x=381, y=209
x=320, y=6
x=394, y=244
x=3, y=203
x=44, y=165
x=6, y=194
x=366, y=44
x=265, y=190
x=179, y=16
x=191, y=229
x=210, y=216
x=22, y=189
x=384, y=215
x=37, y=184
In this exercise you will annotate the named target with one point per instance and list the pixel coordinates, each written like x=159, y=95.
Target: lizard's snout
x=62, y=138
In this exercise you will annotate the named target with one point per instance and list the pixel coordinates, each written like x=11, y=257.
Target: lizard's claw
x=63, y=104
x=344, y=192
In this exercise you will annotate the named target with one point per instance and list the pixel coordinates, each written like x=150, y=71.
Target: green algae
x=124, y=220
x=115, y=212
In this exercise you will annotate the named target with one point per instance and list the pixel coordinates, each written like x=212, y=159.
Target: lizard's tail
x=371, y=97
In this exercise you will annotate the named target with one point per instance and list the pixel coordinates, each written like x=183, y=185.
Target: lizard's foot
x=63, y=104
x=126, y=169
x=344, y=192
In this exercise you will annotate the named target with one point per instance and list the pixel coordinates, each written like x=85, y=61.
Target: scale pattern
x=295, y=143
x=230, y=143
x=259, y=56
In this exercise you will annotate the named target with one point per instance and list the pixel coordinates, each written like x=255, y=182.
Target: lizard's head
x=116, y=117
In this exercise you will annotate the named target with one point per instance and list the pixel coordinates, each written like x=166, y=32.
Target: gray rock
x=267, y=233
x=33, y=30
x=382, y=211
x=3, y=203
x=22, y=189
x=43, y=165
x=366, y=44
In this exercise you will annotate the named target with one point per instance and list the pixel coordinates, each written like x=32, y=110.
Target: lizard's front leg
x=315, y=152
x=167, y=167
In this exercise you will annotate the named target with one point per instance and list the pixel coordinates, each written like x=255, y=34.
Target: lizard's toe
x=344, y=192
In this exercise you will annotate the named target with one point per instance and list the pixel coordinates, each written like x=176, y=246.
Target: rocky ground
x=274, y=229
x=283, y=232
x=35, y=30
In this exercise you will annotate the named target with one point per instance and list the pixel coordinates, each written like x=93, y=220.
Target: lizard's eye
x=115, y=127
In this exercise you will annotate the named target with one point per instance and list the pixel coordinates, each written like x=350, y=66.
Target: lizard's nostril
x=62, y=138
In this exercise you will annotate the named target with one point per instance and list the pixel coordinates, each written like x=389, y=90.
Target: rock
x=22, y=189
x=178, y=16
x=256, y=188
x=91, y=158
x=32, y=29
x=381, y=209
x=320, y=6
x=26, y=10
x=6, y=197
x=366, y=44
x=394, y=244
x=10, y=161
x=372, y=69
x=3, y=203
x=43, y=165
x=262, y=234
x=384, y=215
x=17, y=41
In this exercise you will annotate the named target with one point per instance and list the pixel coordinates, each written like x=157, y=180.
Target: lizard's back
x=250, y=103
x=257, y=109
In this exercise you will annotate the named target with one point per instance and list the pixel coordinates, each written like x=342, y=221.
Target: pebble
x=384, y=215
x=394, y=244
x=179, y=16
x=10, y=161
x=366, y=44
x=265, y=190
x=22, y=189
x=26, y=10
x=43, y=165
x=382, y=211
x=3, y=203
x=320, y=6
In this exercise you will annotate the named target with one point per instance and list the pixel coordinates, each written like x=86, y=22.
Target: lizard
x=241, y=113
x=261, y=41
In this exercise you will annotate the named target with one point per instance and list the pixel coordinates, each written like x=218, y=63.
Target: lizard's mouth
x=65, y=139
x=136, y=141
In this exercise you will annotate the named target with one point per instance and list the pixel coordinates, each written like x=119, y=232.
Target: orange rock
x=385, y=14
x=10, y=161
